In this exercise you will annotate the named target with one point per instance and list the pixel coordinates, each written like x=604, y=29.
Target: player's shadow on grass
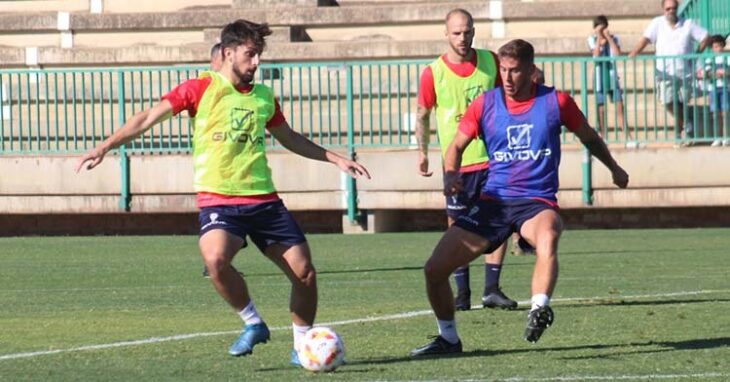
x=620, y=302
x=618, y=350
x=656, y=347
x=651, y=347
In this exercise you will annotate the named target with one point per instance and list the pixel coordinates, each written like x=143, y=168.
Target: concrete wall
x=660, y=177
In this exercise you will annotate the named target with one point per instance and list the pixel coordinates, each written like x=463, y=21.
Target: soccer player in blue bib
x=520, y=123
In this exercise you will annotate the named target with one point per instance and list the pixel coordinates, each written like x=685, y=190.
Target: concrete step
x=321, y=16
x=134, y=6
x=199, y=53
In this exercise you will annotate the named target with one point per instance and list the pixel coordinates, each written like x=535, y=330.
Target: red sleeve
x=278, y=117
x=570, y=114
x=469, y=123
x=427, y=90
x=187, y=95
x=498, y=80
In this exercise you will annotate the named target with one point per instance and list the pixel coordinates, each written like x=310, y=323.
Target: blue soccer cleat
x=251, y=335
x=295, y=359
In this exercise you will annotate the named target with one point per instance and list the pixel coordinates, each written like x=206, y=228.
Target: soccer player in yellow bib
x=236, y=195
x=448, y=85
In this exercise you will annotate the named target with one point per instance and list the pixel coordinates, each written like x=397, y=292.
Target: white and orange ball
x=321, y=350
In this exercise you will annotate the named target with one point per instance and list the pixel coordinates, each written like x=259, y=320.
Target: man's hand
x=423, y=165
x=620, y=177
x=452, y=183
x=598, y=30
x=351, y=167
x=95, y=156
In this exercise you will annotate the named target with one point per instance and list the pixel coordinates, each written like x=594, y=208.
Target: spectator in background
x=673, y=36
x=716, y=71
x=603, y=43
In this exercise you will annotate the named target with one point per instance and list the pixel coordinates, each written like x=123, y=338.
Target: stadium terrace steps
x=367, y=31
x=108, y=6
x=279, y=34
x=320, y=16
x=153, y=54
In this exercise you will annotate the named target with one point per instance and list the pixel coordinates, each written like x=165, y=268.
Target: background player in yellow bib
x=236, y=195
x=448, y=85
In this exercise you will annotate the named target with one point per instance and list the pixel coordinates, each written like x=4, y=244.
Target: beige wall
x=660, y=177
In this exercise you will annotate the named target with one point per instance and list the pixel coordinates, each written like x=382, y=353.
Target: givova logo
x=473, y=92
x=243, y=126
x=241, y=119
x=519, y=140
x=518, y=136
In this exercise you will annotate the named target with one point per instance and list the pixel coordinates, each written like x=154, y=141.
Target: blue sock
x=461, y=276
x=491, y=277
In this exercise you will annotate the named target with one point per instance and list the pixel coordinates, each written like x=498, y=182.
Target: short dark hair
x=215, y=49
x=462, y=11
x=518, y=49
x=600, y=20
x=717, y=39
x=243, y=31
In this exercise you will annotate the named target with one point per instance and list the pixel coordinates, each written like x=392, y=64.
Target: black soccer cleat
x=462, y=301
x=439, y=346
x=497, y=299
x=537, y=321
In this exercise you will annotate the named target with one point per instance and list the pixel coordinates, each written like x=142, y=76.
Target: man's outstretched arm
x=597, y=147
x=300, y=145
x=134, y=127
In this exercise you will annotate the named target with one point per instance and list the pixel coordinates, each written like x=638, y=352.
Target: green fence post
x=352, y=212
x=587, y=168
x=125, y=197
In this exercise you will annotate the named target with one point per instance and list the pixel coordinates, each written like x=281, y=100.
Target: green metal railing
x=345, y=105
x=339, y=105
x=714, y=15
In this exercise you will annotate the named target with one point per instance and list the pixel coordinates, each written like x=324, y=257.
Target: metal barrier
x=345, y=105
x=355, y=105
x=714, y=15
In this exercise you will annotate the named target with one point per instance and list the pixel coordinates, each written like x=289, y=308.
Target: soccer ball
x=321, y=349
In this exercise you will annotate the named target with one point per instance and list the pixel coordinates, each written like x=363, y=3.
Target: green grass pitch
x=630, y=305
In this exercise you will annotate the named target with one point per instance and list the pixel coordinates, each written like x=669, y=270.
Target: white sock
x=447, y=330
x=299, y=332
x=249, y=315
x=539, y=300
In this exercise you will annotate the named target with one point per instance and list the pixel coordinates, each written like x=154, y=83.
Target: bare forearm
x=300, y=145
x=452, y=159
x=133, y=128
x=597, y=148
x=643, y=42
x=423, y=129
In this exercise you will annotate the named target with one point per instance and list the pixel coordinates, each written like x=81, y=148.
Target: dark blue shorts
x=459, y=204
x=265, y=223
x=495, y=220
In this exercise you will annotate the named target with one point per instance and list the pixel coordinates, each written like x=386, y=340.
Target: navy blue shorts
x=495, y=220
x=265, y=223
x=459, y=204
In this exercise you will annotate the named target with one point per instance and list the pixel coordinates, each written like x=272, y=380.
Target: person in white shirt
x=673, y=36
